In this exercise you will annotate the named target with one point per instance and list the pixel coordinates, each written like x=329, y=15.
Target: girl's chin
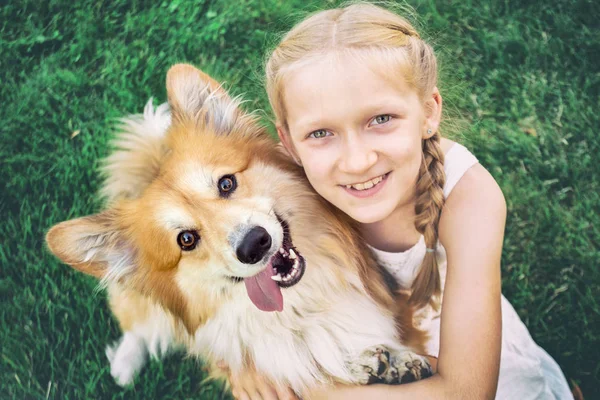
x=368, y=215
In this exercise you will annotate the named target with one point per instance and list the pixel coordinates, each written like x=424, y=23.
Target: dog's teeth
x=292, y=254
x=282, y=251
x=276, y=278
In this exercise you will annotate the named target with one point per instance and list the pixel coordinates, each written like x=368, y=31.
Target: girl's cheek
x=406, y=149
x=317, y=170
x=317, y=156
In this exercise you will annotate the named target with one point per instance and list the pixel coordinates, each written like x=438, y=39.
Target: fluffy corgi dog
x=214, y=241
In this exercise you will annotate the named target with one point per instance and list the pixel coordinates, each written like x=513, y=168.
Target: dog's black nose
x=254, y=245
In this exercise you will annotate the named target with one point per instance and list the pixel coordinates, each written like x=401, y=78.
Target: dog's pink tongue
x=264, y=292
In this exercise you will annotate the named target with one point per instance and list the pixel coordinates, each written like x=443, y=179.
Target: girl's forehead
x=339, y=88
x=350, y=67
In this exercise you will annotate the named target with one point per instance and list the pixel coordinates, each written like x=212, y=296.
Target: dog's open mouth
x=288, y=264
x=285, y=268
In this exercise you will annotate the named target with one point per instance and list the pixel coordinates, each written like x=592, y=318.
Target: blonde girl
x=355, y=97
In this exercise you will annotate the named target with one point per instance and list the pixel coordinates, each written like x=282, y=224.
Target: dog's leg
x=149, y=331
x=127, y=357
x=379, y=365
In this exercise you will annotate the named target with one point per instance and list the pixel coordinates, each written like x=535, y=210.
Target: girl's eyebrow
x=385, y=105
x=309, y=124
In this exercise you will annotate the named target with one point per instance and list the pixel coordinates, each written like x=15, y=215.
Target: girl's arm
x=471, y=230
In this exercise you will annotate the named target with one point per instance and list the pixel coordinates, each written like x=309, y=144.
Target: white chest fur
x=308, y=342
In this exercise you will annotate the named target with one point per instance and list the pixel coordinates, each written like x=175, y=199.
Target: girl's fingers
x=267, y=392
x=251, y=386
x=244, y=396
x=285, y=394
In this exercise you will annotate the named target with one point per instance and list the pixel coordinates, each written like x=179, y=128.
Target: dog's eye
x=227, y=185
x=188, y=240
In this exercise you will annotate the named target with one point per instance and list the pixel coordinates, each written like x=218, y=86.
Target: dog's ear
x=94, y=245
x=193, y=95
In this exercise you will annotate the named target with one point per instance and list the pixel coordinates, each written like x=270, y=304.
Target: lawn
x=520, y=80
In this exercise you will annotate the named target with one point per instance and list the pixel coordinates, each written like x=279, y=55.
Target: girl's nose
x=357, y=157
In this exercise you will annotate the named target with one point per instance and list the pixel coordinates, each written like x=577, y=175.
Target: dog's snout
x=254, y=245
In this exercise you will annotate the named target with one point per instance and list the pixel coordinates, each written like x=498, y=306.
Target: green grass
x=524, y=76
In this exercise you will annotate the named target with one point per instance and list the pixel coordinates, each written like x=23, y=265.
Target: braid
x=428, y=208
x=367, y=30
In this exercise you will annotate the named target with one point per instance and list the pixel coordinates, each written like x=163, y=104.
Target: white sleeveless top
x=526, y=370
x=405, y=265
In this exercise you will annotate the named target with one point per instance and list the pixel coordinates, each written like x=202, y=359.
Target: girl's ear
x=433, y=113
x=286, y=141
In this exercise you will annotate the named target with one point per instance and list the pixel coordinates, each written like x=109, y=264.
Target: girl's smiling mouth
x=367, y=188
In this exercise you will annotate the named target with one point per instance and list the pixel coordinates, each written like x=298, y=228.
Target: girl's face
x=357, y=134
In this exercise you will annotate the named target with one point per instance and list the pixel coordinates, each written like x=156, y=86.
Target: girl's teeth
x=366, y=185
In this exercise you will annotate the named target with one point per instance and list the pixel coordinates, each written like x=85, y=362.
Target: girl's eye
x=380, y=119
x=188, y=240
x=227, y=185
x=318, y=134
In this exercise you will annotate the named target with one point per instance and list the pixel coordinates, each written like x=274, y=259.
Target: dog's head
x=215, y=222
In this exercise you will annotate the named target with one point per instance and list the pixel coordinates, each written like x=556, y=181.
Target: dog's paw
x=126, y=357
x=378, y=365
x=374, y=365
x=411, y=367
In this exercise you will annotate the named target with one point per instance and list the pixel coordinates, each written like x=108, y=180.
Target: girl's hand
x=249, y=385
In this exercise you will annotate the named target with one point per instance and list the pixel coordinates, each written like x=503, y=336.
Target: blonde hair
x=365, y=29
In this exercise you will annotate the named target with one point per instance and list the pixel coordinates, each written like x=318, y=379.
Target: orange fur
x=129, y=306
x=133, y=245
